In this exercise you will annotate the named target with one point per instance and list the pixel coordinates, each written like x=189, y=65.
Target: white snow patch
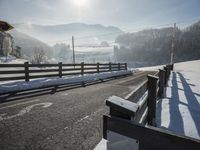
x=102, y=145
x=11, y=60
x=65, y=94
x=152, y=68
x=179, y=111
x=38, y=83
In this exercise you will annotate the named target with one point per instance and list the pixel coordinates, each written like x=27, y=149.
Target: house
x=6, y=40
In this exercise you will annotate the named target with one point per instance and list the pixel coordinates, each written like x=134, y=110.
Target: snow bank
x=8, y=58
x=152, y=68
x=11, y=60
x=38, y=83
x=179, y=111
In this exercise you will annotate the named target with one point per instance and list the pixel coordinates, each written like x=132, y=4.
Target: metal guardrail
x=28, y=71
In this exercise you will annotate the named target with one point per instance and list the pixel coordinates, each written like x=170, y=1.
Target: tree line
x=153, y=46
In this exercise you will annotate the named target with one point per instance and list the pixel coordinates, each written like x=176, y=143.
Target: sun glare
x=80, y=3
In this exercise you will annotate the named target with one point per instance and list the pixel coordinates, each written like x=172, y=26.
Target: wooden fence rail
x=28, y=71
x=130, y=118
x=147, y=137
x=147, y=95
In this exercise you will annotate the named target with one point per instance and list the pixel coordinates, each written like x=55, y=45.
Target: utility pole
x=73, y=50
x=172, y=48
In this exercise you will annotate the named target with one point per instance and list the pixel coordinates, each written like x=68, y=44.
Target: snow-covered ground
x=152, y=68
x=179, y=110
x=38, y=83
x=11, y=60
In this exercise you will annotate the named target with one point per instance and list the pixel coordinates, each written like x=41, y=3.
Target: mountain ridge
x=48, y=33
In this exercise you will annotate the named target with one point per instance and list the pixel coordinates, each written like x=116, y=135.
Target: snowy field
x=179, y=111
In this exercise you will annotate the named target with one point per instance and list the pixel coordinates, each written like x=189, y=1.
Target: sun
x=80, y=3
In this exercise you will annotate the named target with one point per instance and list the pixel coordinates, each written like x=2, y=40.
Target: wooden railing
x=146, y=137
x=146, y=95
x=136, y=120
x=28, y=71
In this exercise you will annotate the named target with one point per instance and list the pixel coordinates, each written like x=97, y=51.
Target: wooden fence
x=147, y=137
x=28, y=71
x=129, y=118
x=146, y=94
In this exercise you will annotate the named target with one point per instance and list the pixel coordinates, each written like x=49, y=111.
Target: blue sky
x=125, y=14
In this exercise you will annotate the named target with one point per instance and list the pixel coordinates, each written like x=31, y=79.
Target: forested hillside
x=152, y=46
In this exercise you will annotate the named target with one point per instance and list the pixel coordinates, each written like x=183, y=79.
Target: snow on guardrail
x=44, y=82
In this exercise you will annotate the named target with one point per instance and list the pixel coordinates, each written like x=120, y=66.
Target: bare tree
x=39, y=56
x=17, y=52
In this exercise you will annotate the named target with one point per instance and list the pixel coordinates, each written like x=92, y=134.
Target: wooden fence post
x=110, y=66
x=161, y=82
x=119, y=67
x=151, y=101
x=26, y=69
x=97, y=67
x=125, y=66
x=166, y=72
x=82, y=73
x=60, y=69
x=169, y=71
x=82, y=68
x=172, y=66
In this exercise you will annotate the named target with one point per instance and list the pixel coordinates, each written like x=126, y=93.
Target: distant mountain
x=28, y=43
x=153, y=46
x=89, y=34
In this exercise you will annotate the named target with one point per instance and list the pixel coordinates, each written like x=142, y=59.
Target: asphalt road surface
x=62, y=118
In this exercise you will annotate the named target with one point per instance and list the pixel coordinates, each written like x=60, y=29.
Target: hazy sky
x=122, y=13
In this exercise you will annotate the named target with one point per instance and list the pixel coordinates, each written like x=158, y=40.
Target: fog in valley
x=102, y=34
